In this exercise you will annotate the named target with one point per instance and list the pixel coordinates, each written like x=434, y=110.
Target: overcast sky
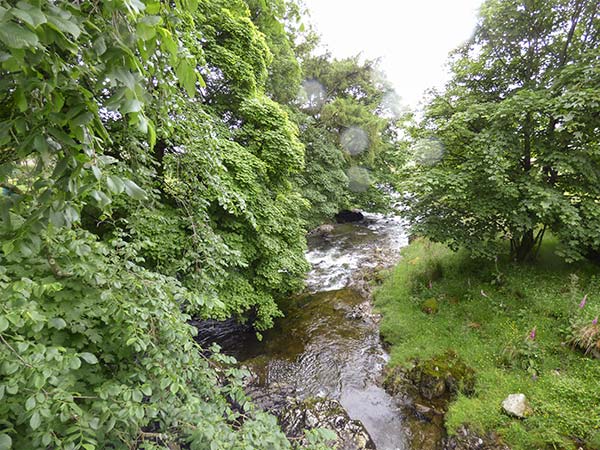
x=413, y=37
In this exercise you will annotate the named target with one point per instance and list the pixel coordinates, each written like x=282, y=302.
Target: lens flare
x=312, y=95
x=354, y=140
x=359, y=179
x=428, y=152
x=391, y=106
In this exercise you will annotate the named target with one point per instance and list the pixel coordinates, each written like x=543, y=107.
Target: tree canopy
x=147, y=167
x=510, y=148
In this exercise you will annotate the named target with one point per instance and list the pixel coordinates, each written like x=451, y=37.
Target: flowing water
x=324, y=346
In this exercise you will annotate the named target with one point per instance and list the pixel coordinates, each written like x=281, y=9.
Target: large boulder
x=347, y=216
x=300, y=415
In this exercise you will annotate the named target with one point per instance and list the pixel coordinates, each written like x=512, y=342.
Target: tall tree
x=508, y=150
x=144, y=175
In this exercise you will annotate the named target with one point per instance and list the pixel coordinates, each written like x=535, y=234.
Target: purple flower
x=595, y=321
x=532, y=333
x=582, y=304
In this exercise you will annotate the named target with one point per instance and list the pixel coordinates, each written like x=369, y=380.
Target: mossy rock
x=443, y=375
x=430, y=306
x=395, y=380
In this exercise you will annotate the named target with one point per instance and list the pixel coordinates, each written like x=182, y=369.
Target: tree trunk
x=523, y=249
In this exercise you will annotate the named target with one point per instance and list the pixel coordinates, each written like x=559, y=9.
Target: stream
x=327, y=345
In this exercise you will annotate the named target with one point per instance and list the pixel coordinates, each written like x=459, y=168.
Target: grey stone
x=300, y=415
x=516, y=405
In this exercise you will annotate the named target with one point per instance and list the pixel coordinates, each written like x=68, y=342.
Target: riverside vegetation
x=164, y=160
x=519, y=327
x=505, y=155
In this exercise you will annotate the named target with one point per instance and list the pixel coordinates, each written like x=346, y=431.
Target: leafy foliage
x=145, y=178
x=514, y=152
x=347, y=114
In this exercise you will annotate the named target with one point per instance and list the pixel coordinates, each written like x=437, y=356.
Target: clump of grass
x=486, y=313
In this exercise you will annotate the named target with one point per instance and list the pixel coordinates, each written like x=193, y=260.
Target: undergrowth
x=515, y=325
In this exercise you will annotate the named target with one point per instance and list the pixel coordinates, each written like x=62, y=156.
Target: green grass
x=486, y=311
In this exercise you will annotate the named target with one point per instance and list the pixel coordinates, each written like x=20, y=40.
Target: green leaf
x=35, y=421
x=151, y=134
x=17, y=36
x=145, y=31
x=191, y=5
x=46, y=439
x=35, y=16
x=75, y=363
x=187, y=76
x=5, y=441
x=147, y=390
x=65, y=26
x=168, y=41
x=133, y=190
x=82, y=119
x=30, y=403
x=133, y=105
x=89, y=358
x=100, y=46
x=97, y=172
x=57, y=323
x=102, y=199
x=115, y=184
x=3, y=324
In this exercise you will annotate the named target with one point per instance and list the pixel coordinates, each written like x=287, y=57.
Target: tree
x=108, y=244
x=345, y=115
x=509, y=149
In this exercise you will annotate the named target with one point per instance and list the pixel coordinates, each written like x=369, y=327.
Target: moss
x=430, y=306
x=451, y=369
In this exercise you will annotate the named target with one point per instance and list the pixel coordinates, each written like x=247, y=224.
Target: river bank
x=515, y=327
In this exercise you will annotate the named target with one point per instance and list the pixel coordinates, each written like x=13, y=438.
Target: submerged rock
x=347, y=216
x=516, y=405
x=322, y=230
x=300, y=415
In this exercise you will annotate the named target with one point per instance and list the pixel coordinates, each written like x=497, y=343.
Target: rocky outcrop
x=443, y=376
x=300, y=415
x=348, y=216
x=424, y=392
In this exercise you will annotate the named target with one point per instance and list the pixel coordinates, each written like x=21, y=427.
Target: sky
x=413, y=37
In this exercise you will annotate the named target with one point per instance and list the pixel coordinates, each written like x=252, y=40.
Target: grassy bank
x=486, y=312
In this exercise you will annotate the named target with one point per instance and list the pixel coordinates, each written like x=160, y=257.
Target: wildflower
x=483, y=293
x=430, y=285
x=532, y=333
x=582, y=304
x=595, y=321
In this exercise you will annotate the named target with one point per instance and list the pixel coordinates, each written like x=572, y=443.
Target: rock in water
x=325, y=413
x=516, y=405
x=322, y=230
x=347, y=216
